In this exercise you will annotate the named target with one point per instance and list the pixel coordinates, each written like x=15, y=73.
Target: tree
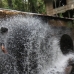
x=33, y=5
x=18, y=5
x=41, y=7
x=1, y=3
x=10, y=3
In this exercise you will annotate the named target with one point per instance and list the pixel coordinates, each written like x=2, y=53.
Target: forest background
x=34, y=6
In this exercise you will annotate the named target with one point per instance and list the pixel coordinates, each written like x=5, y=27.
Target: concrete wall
x=62, y=25
x=54, y=21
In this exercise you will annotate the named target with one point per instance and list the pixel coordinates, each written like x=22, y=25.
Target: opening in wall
x=66, y=44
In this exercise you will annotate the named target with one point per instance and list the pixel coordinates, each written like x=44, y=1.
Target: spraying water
x=33, y=47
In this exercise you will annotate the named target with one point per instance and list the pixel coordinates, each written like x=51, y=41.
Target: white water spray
x=32, y=47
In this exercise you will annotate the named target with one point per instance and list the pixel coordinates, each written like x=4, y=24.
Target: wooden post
x=49, y=6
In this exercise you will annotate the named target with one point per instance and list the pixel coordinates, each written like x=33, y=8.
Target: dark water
x=33, y=47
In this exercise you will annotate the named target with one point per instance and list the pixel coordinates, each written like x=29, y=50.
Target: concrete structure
x=58, y=24
x=52, y=20
x=56, y=21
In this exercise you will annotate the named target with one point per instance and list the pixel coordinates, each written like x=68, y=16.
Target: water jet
x=36, y=44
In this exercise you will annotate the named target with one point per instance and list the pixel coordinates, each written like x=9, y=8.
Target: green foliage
x=41, y=7
x=3, y=4
x=18, y=5
x=35, y=6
